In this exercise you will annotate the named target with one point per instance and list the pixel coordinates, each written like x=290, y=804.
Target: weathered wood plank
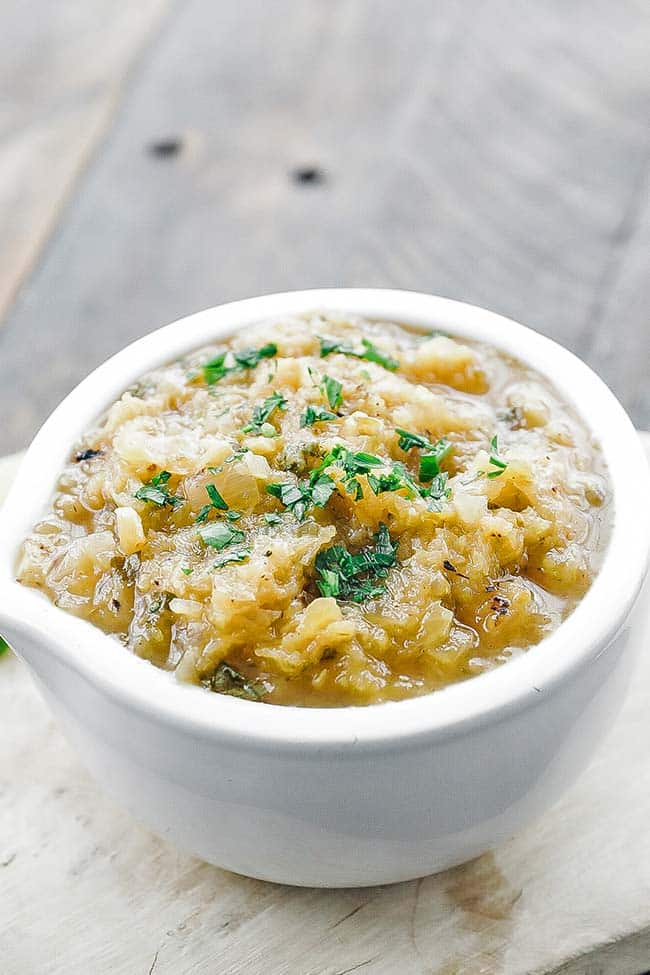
x=62, y=66
x=487, y=153
x=82, y=888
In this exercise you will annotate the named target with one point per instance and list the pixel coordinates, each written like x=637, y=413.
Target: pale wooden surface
x=62, y=69
x=485, y=150
x=85, y=890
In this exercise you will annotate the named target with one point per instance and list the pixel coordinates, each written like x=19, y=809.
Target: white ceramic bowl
x=352, y=796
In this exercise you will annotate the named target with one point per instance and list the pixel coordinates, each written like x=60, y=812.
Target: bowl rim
x=492, y=696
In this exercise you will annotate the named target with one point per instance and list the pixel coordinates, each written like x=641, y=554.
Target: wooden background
x=485, y=150
x=492, y=151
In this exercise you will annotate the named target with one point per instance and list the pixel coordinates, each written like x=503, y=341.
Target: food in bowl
x=328, y=511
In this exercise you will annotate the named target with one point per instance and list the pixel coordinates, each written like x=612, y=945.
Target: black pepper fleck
x=450, y=567
x=499, y=605
x=87, y=455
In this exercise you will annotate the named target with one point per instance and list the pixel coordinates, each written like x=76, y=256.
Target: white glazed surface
x=351, y=796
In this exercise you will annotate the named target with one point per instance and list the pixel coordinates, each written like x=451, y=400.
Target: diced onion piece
x=130, y=533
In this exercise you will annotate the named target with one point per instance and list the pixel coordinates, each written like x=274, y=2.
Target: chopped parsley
x=249, y=358
x=262, y=413
x=498, y=464
x=430, y=463
x=187, y=572
x=408, y=440
x=235, y=456
x=372, y=354
x=327, y=346
x=397, y=479
x=368, y=351
x=218, y=534
x=333, y=390
x=355, y=463
x=436, y=492
x=312, y=415
x=306, y=494
x=241, y=555
x=227, y=680
x=320, y=487
x=450, y=567
x=216, y=369
x=385, y=482
x=354, y=577
x=227, y=362
x=4, y=646
x=156, y=492
x=216, y=503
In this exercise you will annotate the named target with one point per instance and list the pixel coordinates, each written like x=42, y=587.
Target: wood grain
x=84, y=889
x=62, y=67
x=493, y=153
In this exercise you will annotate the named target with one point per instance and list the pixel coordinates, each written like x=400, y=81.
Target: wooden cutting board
x=85, y=891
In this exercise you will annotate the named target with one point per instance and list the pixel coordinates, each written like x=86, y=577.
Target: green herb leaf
x=218, y=534
x=216, y=503
x=312, y=415
x=353, y=463
x=321, y=490
x=354, y=577
x=215, y=498
x=263, y=412
x=328, y=583
x=4, y=646
x=241, y=555
x=372, y=354
x=216, y=368
x=299, y=497
x=408, y=440
x=498, y=464
x=360, y=463
x=227, y=680
x=368, y=351
x=187, y=572
x=292, y=496
x=437, y=492
x=155, y=492
x=333, y=390
x=327, y=346
x=249, y=358
x=430, y=463
x=154, y=495
x=385, y=482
